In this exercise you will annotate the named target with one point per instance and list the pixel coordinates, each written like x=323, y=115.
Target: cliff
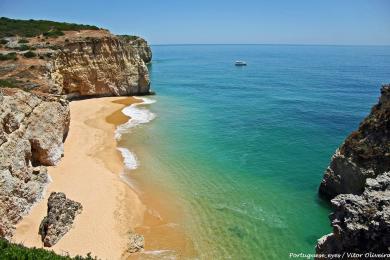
x=76, y=64
x=32, y=131
x=359, y=177
x=361, y=223
x=364, y=154
x=44, y=64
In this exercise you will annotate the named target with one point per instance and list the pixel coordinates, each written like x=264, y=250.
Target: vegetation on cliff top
x=8, y=56
x=128, y=37
x=30, y=28
x=14, y=251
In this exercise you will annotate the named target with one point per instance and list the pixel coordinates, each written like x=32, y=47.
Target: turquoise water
x=244, y=148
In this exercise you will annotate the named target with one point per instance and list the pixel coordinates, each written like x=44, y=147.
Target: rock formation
x=143, y=49
x=364, y=154
x=361, y=223
x=61, y=213
x=100, y=66
x=359, y=177
x=136, y=243
x=37, y=77
x=79, y=64
x=32, y=130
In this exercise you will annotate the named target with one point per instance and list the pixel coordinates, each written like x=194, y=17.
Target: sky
x=344, y=22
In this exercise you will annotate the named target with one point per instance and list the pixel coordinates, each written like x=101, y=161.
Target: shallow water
x=243, y=149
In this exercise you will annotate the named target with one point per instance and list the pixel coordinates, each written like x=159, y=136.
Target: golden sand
x=89, y=174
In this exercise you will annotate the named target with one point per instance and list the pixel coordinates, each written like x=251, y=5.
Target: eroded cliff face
x=105, y=66
x=32, y=130
x=361, y=223
x=364, y=154
x=359, y=177
x=34, y=111
x=79, y=64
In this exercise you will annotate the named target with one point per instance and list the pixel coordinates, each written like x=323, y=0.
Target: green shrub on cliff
x=53, y=33
x=23, y=41
x=14, y=251
x=8, y=56
x=30, y=54
x=128, y=37
x=30, y=28
x=22, y=47
x=4, y=83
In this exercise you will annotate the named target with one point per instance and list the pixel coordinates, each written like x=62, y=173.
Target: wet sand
x=90, y=173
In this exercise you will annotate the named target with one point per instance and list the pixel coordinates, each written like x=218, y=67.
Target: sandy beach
x=89, y=173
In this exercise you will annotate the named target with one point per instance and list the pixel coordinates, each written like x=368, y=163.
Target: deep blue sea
x=244, y=148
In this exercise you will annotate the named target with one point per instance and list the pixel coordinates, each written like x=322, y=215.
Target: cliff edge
x=77, y=62
x=43, y=64
x=358, y=180
x=364, y=154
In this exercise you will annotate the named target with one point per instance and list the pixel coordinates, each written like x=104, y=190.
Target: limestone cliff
x=99, y=66
x=141, y=45
x=32, y=131
x=359, y=177
x=38, y=75
x=364, y=154
x=361, y=223
x=78, y=64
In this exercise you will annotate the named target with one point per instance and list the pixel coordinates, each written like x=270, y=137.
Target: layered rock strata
x=61, y=213
x=104, y=66
x=79, y=64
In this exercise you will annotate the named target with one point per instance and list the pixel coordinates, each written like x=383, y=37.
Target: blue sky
x=223, y=21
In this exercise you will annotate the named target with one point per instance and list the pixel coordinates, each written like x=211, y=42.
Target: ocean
x=243, y=149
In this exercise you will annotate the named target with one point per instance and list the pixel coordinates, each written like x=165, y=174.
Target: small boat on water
x=240, y=63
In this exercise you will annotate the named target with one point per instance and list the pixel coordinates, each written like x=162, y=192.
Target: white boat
x=240, y=63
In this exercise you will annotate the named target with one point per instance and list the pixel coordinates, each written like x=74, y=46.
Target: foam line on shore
x=138, y=115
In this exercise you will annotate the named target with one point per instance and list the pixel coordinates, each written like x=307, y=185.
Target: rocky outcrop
x=32, y=130
x=359, y=177
x=79, y=64
x=143, y=49
x=364, y=154
x=361, y=223
x=34, y=122
x=99, y=66
x=61, y=213
x=136, y=243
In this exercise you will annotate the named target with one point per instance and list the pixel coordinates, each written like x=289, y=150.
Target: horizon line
x=287, y=44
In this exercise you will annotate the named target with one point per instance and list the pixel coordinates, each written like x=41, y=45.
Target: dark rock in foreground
x=361, y=223
x=61, y=213
x=364, y=154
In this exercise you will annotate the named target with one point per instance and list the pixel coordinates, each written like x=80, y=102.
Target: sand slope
x=89, y=174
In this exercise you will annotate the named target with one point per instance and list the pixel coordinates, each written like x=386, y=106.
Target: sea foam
x=138, y=115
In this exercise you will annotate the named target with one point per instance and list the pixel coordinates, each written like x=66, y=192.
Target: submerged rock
x=136, y=243
x=61, y=213
x=361, y=223
x=364, y=154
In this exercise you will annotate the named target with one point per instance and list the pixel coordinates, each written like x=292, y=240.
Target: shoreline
x=89, y=173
